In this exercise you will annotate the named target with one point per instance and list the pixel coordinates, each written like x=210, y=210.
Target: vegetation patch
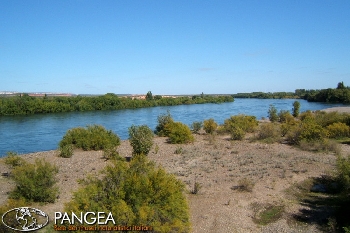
x=196, y=126
x=137, y=193
x=244, y=185
x=210, y=126
x=141, y=139
x=93, y=137
x=179, y=133
x=268, y=213
x=35, y=182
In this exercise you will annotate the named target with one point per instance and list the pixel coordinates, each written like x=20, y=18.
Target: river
x=42, y=132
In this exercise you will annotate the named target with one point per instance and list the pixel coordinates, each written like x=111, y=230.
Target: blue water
x=25, y=134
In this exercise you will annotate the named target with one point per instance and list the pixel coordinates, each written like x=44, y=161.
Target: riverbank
x=338, y=109
x=218, y=164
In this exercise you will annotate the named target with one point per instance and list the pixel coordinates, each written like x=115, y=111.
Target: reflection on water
x=24, y=134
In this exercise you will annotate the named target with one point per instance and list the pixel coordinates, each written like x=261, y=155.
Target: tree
x=149, y=96
x=296, y=108
x=341, y=85
x=273, y=113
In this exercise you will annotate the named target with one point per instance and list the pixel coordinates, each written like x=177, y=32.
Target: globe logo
x=25, y=219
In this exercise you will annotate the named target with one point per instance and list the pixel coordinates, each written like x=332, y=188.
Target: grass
x=268, y=213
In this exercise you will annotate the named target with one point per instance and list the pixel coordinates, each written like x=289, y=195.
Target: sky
x=173, y=46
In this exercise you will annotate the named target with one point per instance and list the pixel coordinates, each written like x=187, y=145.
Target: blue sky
x=173, y=47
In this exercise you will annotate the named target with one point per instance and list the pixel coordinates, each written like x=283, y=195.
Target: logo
x=25, y=219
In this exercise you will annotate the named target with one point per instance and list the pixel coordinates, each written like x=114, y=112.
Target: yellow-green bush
x=13, y=159
x=307, y=114
x=210, y=126
x=338, y=130
x=94, y=137
x=285, y=116
x=327, y=118
x=35, y=182
x=307, y=130
x=268, y=131
x=237, y=133
x=179, y=133
x=246, y=123
x=162, y=129
x=136, y=193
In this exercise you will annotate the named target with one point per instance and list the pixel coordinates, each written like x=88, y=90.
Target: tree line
x=340, y=94
x=23, y=104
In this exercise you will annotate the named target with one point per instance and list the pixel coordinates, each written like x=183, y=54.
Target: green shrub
x=179, y=133
x=246, y=123
x=338, y=130
x=210, y=125
x=285, y=116
x=327, y=118
x=66, y=151
x=163, y=120
x=272, y=113
x=196, y=126
x=35, y=182
x=136, y=193
x=296, y=108
x=13, y=159
x=305, y=115
x=237, y=133
x=111, y=153
x=307, y=130
x=268, y=131
x=94, y=137
x=141, y=139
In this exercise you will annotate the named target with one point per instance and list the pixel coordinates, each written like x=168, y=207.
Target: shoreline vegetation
x=340, y=94
x=260, y=172
x=26, y=104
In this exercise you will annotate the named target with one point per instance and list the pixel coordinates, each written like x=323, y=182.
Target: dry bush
x=268, y=131
x=323, y=145
x=244, y=185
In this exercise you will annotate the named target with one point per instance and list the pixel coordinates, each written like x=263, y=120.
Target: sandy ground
x=338, y=109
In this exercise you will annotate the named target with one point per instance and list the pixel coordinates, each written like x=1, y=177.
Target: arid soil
x=217, y=164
